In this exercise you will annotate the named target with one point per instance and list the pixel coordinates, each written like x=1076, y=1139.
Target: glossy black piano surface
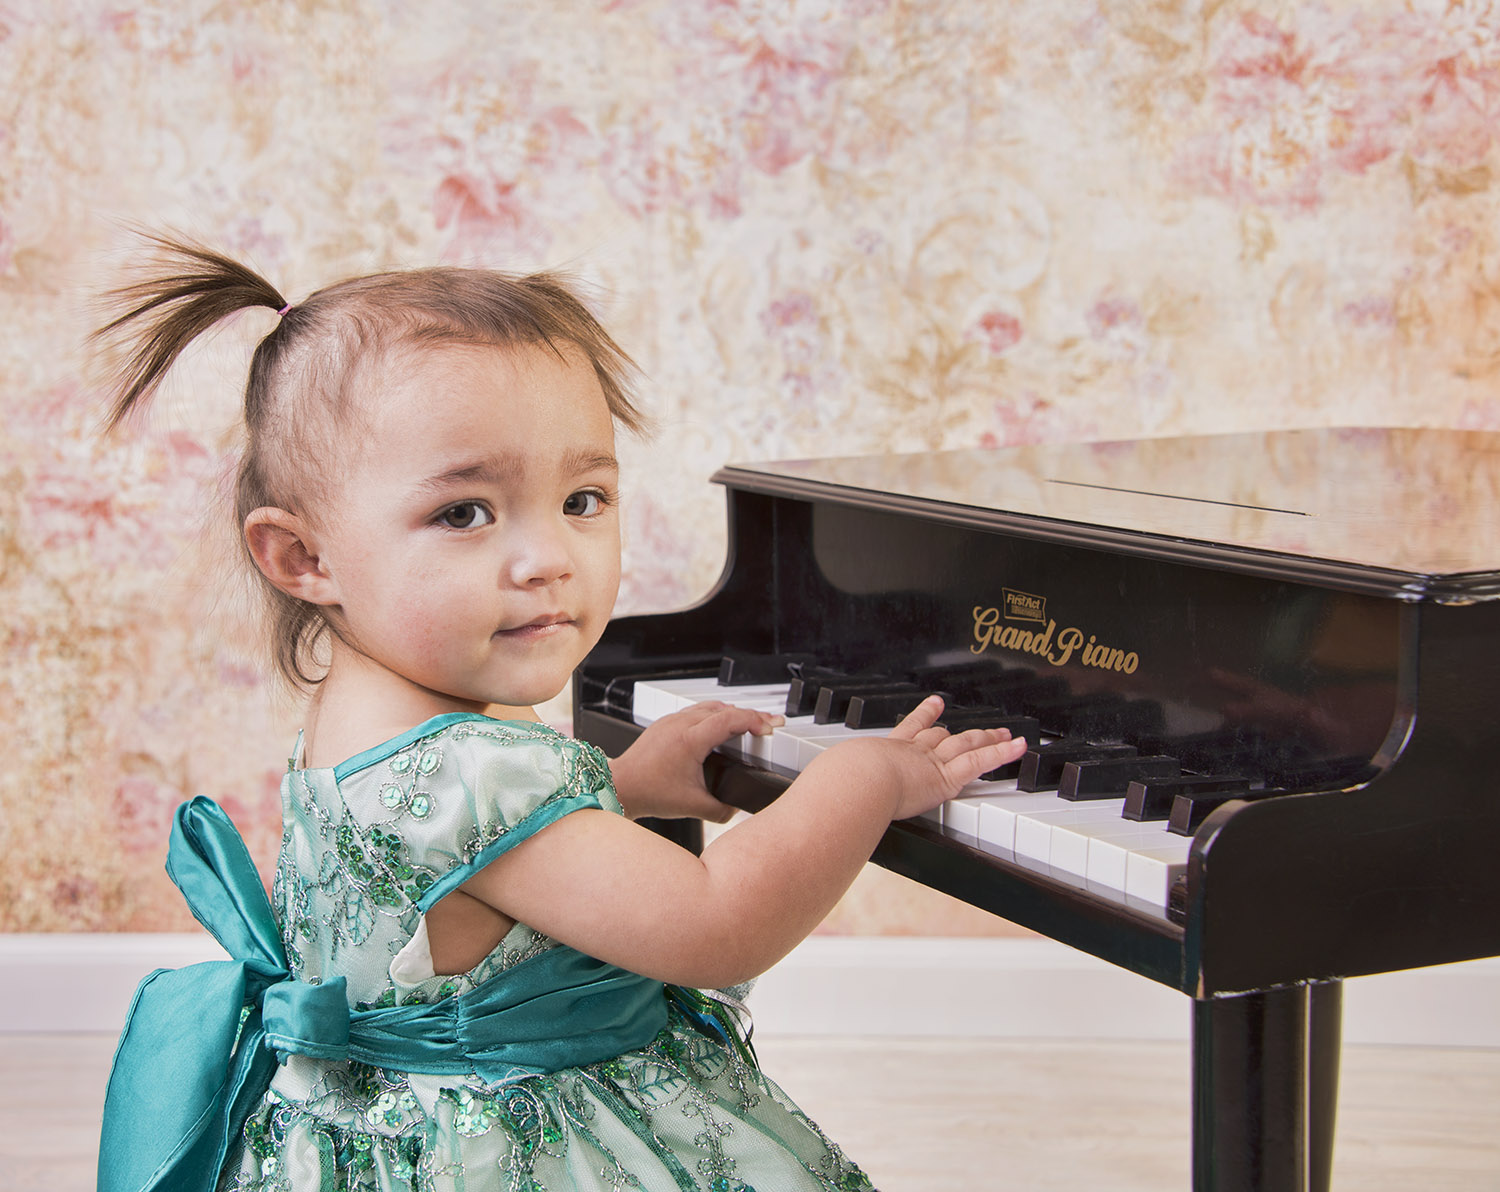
x=1317, y=612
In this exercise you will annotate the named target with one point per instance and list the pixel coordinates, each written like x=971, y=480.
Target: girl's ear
x=286, y=551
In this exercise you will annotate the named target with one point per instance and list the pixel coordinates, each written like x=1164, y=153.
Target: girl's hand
x=941, y=763
x=661, y=774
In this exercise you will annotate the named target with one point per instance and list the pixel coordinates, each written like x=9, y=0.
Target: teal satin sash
x=196, y=1054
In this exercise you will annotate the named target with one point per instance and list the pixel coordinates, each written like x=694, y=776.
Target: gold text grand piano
x=1259, y=671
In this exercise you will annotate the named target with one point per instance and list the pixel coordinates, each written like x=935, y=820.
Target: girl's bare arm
x=618, y=892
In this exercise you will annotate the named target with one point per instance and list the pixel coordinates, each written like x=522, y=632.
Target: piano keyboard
x=1087, y=844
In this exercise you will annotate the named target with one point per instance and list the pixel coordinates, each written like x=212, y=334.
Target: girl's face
x=474, y=538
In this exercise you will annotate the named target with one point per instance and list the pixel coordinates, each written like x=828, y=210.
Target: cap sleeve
x=468, y=789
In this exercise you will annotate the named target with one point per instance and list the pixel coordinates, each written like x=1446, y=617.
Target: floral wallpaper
x=821, y=227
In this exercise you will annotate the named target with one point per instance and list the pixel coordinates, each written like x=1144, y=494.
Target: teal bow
x=198, y=1049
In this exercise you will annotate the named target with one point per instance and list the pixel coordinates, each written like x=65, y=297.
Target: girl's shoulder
x=447, y=796
x=476, y=769
x=423, y=747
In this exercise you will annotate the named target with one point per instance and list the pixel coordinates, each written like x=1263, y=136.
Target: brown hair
x=302, y=373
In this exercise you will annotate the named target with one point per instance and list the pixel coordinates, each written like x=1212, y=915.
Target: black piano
x=1269, y=661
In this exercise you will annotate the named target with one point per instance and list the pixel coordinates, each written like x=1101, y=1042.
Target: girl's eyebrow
x=584, y=460
x=499, y=469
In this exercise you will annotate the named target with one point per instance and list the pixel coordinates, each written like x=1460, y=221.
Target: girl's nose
x=540, y=558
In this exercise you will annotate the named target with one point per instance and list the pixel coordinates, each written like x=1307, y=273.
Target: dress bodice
x=368, y=845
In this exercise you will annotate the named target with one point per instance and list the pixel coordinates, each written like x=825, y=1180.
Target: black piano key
x=738, y=669
x=966, y=681
x=1041, y=768
x=1152, y=799
x=883, y=709
x=1221, y=751
x=833, y=698
x=1001, y=773
x=1130, y=720
x=801, y=697
x=1177, y=901
x=1015, y=694
x=1107, y=778
x=1310, y=774
x=1134, y=720
x=802, y=692
x=617, y=694
x=961, y=719
x=1058, y=712
x=1190, y=810
x=1024, y=676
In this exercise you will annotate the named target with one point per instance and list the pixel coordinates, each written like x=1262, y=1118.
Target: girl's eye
x=465, y=516
x=583, y=504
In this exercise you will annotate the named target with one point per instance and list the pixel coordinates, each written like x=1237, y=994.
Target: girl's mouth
x=538, y=627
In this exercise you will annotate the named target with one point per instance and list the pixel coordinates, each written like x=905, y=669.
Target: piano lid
x=1411, y=513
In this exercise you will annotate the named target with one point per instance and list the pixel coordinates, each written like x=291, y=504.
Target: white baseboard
x=1038, y=988
x=839, y=986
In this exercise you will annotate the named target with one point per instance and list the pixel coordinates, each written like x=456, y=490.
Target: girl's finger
x=728, y=721
x=971, y=739
x=702, y=709
x=932, y=738
x=968, y=766
x=919, y=719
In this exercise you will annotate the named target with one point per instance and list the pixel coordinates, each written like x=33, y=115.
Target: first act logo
x=1023, y=606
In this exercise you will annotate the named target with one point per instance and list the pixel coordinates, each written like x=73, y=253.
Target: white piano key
x=1067, y=876
x=1069, y=835
x=962, y=813
x=1149, y=873
x=646, y=703
x=1108, y=857
x=984, y=788
x=670, y=692
x=1034, y=829
x=771, y=707
x=762, y=699
x=990, y=846
x=791, y=745
x=997, y=816
x=655, y=698
x=810, y=745
x=1074, y=843
x=702, y=687
x=770, y=697
x=785, y=739
x=753, y=746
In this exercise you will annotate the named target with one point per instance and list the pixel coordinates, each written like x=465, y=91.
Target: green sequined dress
x=362, y=843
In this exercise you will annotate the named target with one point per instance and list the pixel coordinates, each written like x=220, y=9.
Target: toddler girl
x=475, y=970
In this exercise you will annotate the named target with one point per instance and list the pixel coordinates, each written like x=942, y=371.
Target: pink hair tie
x=284, y=309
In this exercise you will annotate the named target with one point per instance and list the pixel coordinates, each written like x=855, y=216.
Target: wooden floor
x=938, y=1115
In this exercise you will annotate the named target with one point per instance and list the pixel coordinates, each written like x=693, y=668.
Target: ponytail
x=188, y=290
x=196, y=289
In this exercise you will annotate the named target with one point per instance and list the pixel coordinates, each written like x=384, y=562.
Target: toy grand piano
x=1258, y=672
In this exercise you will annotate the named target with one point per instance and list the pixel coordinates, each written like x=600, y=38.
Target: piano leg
x=1325, y=1040
x=1265, y=1089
